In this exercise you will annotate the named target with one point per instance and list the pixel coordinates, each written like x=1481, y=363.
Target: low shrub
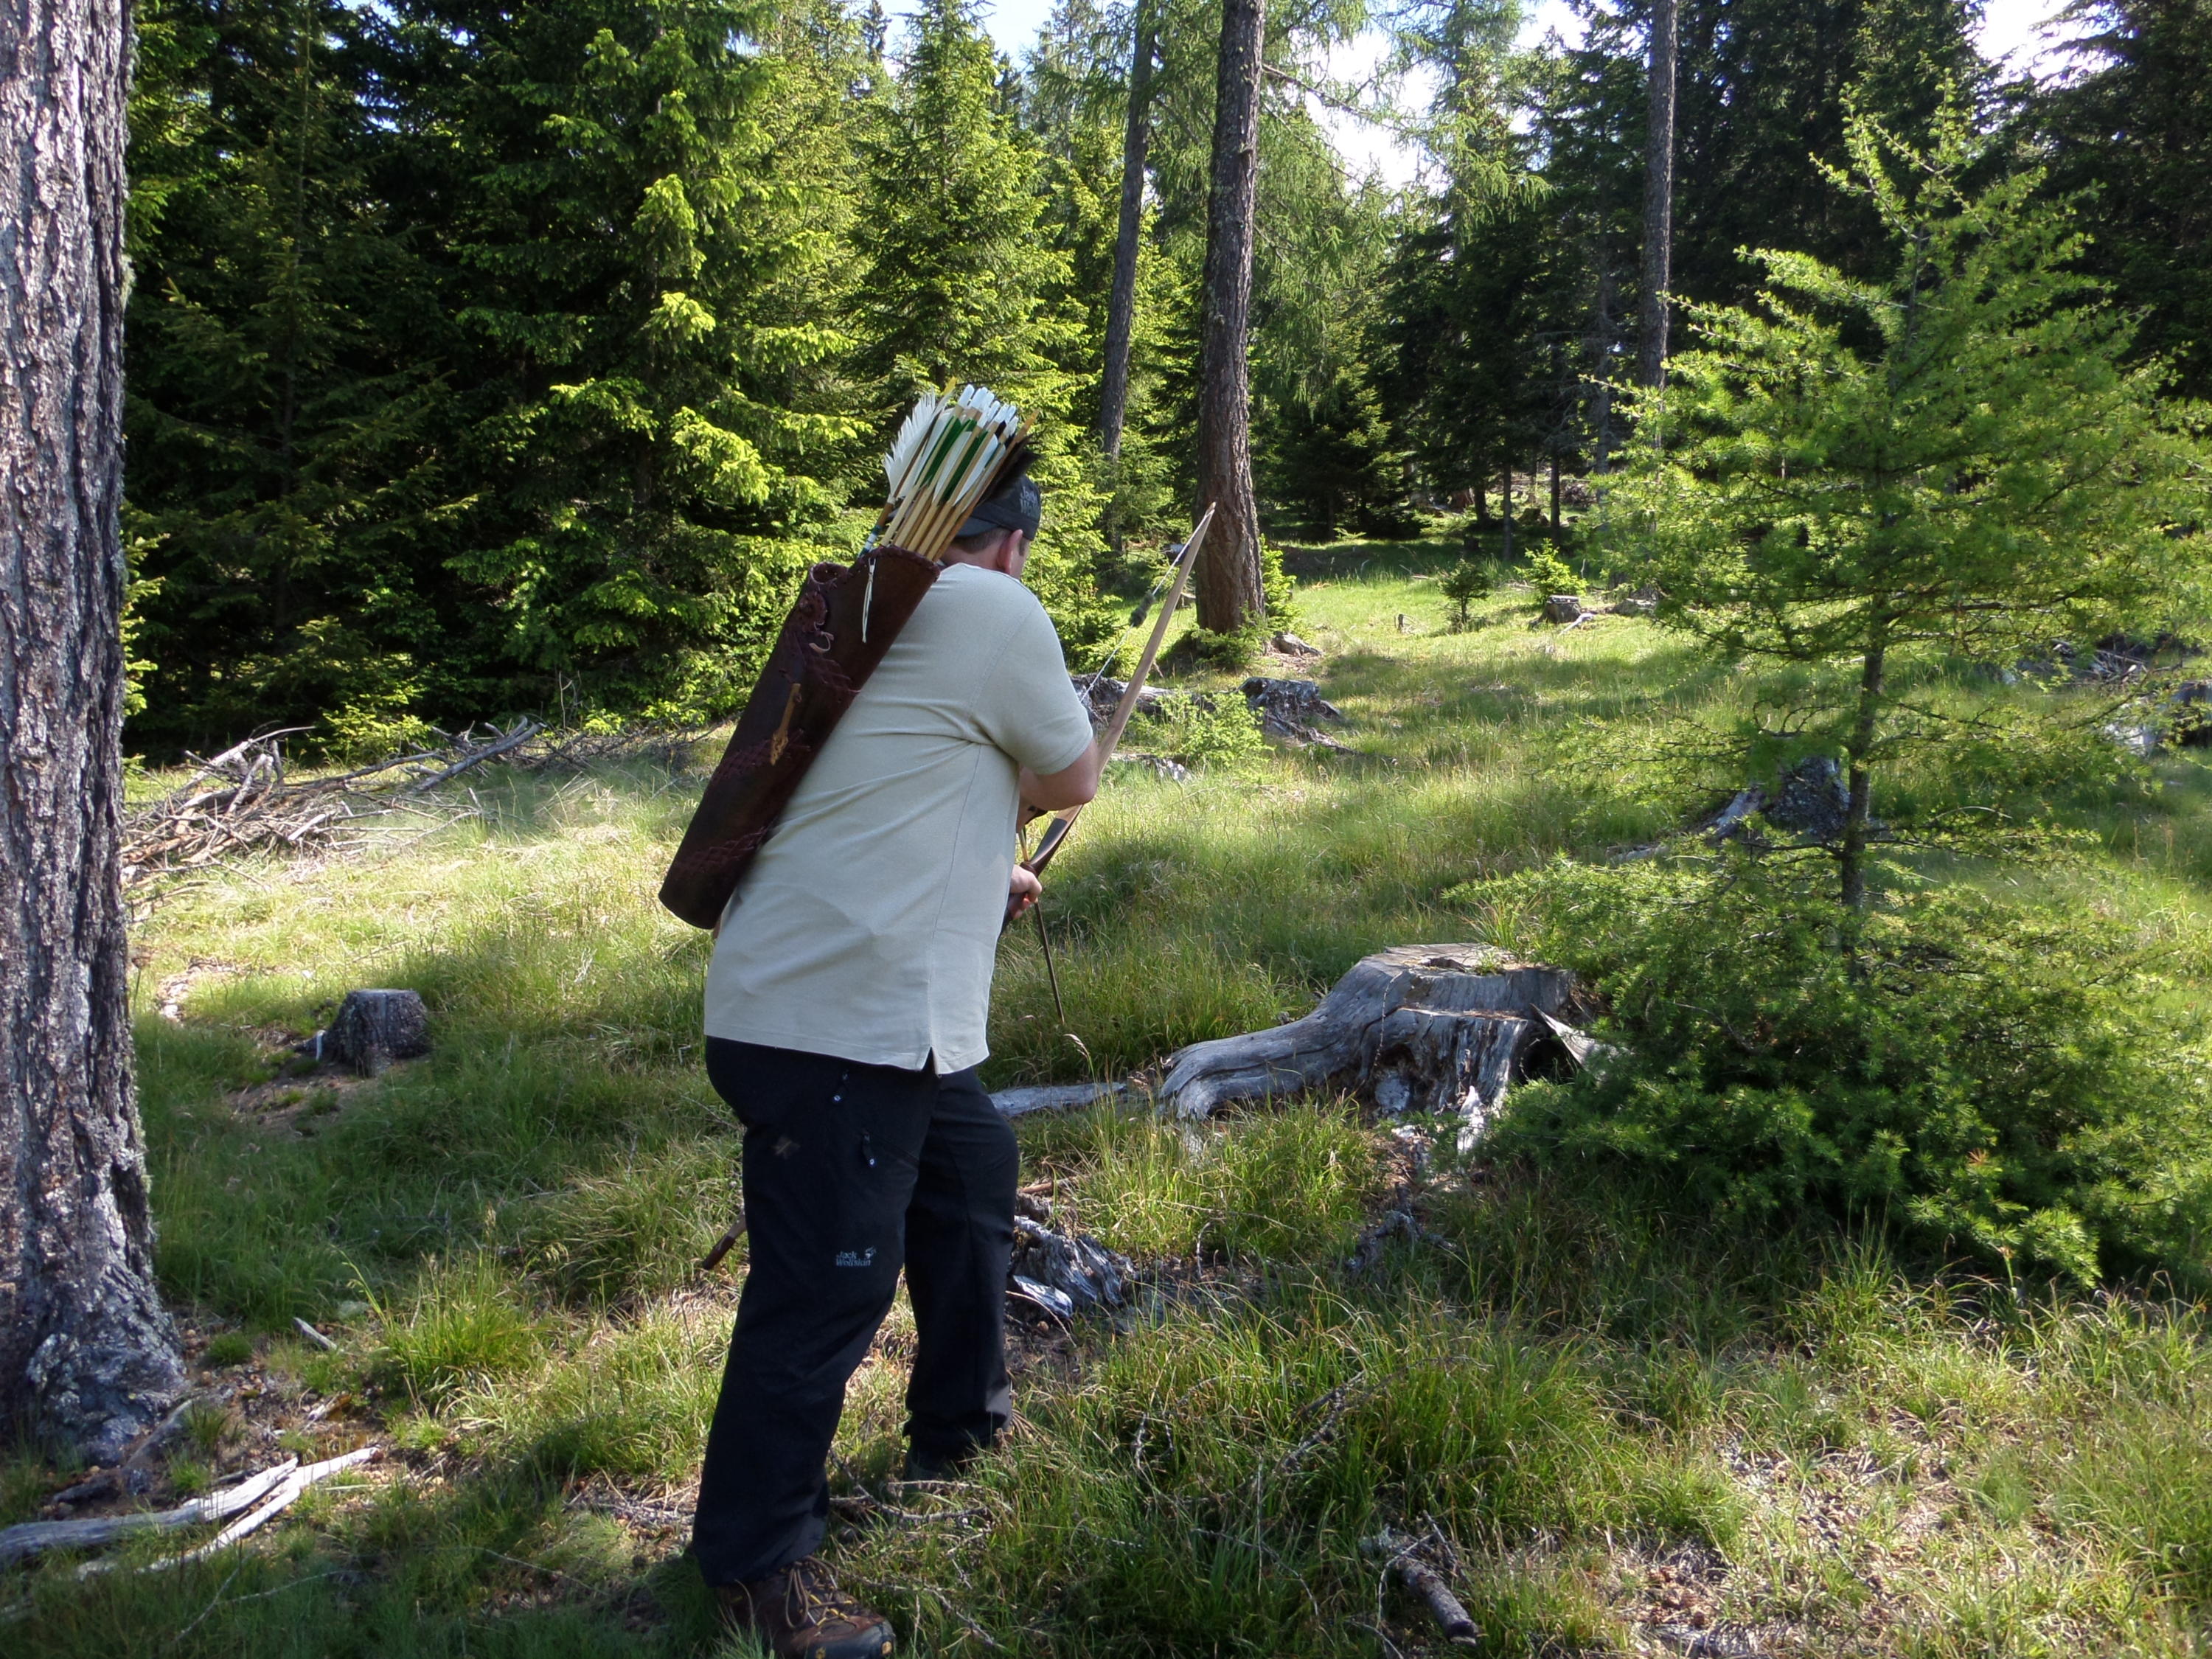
x=1550, y=573
x=1463, y=584
x=2008, y=1081
x=1205, y=731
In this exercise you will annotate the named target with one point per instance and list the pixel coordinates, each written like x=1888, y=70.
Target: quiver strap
x=819, y=663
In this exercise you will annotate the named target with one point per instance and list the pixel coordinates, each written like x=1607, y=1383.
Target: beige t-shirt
x=868, y=926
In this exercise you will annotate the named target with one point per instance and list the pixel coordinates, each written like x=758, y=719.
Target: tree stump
x=1430, y=1028
x=1564, y=608
x=372, y=1029
x=1289, y=708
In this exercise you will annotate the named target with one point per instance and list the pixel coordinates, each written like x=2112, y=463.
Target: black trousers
x=851, y=1171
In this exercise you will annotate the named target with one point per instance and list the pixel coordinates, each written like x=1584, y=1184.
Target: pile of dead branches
x=243, y=801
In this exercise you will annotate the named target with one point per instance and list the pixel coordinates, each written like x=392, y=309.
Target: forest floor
x=1618, y=1428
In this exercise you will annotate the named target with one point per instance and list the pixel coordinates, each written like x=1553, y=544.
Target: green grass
x=1597, y=1401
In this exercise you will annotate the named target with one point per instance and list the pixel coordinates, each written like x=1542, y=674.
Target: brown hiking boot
x=799, y=1613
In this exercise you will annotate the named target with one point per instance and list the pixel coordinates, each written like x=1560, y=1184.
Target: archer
x=845, y=1014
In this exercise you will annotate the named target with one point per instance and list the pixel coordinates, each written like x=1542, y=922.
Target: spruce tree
x=964, y=278
x=959, y=281
x=643, y=285
x=289, y=499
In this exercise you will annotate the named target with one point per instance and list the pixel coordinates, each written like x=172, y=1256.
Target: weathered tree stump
x=1066, y=1273
x=1564, y=608
x=1290, y=708
x=1432, y=1028
x=372, y=1030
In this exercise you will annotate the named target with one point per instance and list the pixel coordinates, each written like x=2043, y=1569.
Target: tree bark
x=1555, y=488
x=1658, y=198
x=86, y=1351
x=1858, y=818
x=1228, y=588
x=1428, y=1028
x=1121, y=300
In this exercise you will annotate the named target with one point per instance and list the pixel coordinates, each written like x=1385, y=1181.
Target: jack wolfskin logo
x=857, y=1258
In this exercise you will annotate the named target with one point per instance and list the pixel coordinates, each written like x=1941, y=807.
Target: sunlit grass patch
x=630, y=1400
x=1288, y=1185
x=464, y=1325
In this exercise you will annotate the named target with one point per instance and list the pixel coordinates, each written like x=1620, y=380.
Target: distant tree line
x=485, y=357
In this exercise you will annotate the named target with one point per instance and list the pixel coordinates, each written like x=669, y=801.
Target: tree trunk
x=1658, y=198
x=1850, y=857
x=1229, y=592
x=1121, y=300
x=1505, y=506
x=86, y=1350
x=1601, y=416
x=1555, y=490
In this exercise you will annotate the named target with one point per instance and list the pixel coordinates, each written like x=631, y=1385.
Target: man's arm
x=1071, y=786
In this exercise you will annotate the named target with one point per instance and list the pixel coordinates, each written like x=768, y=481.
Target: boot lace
x=812, y=1595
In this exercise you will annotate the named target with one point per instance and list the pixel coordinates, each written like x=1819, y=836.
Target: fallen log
x=1432, y=1028
x=1055, y=1096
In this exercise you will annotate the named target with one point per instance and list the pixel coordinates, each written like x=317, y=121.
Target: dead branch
x=20, y=1543
x=524, y=730
x=1402, y=1563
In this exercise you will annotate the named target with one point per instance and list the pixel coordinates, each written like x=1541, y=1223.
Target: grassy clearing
x=1624, y=1425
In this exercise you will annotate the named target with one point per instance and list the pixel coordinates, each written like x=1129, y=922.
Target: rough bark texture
x=1228, y=590
x=86, y=1350
x=1437, y=1027
x=1658, y=198
x=1121, y=299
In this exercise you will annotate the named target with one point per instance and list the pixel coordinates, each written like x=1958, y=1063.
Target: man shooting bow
x=844, y=1013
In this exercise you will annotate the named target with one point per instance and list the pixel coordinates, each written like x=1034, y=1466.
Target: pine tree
x=1986, y=474
x=87, y=1354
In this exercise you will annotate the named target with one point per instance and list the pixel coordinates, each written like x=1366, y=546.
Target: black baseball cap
x=1018, y=504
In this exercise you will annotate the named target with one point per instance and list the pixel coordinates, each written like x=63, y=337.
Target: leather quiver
x=819, y=663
